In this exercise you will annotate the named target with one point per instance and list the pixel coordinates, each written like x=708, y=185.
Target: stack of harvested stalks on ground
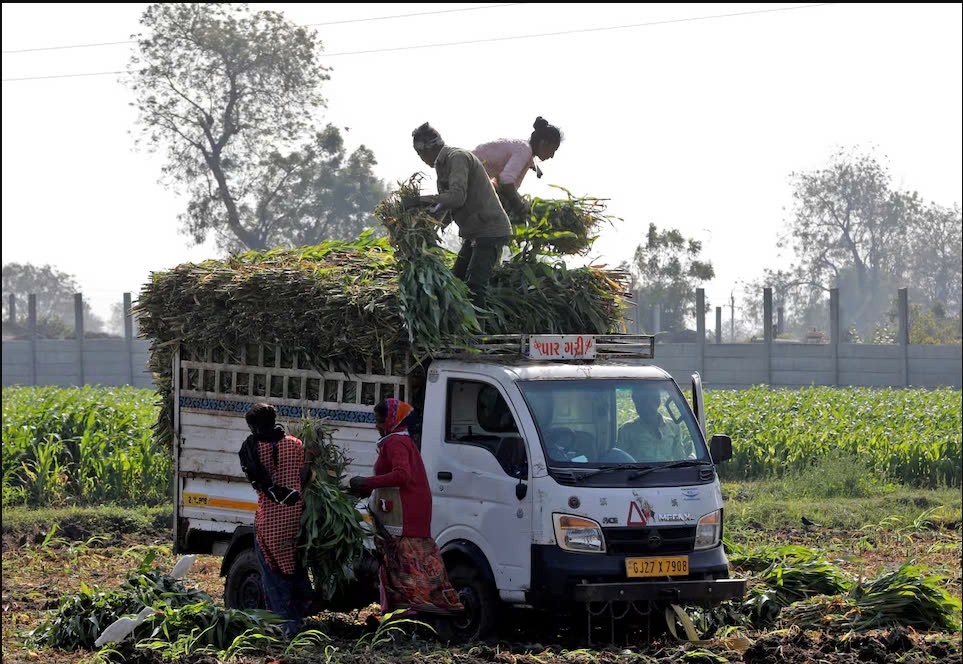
x=908, y=596
x=795, y=586
x=181, y=611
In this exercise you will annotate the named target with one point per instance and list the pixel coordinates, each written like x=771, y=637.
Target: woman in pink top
x=507, y=161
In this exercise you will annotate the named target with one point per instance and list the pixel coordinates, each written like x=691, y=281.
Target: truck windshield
x=600, y=422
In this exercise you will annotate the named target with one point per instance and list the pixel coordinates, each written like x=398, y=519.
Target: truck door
x=480, y=478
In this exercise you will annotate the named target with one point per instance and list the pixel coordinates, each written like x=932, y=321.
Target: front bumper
x=672, y=592
x=559, y=577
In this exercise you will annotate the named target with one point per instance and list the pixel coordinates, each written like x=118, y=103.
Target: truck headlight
x=708, y=531
x=576, y=533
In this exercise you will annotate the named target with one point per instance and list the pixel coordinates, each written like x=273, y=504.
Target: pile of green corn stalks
x=180, y=611
x=339, y=305
x=908, y=596
x=795, y=586
x=566, y=226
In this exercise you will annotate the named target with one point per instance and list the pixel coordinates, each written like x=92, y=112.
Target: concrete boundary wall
x=123, y=360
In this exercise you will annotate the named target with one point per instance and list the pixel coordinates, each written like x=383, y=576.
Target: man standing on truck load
x=651, y=436
x=465, y=190
x=508, y=161
x=413, y=573
x=275, y=463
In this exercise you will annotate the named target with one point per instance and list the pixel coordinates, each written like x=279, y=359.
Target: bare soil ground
x=37, y=575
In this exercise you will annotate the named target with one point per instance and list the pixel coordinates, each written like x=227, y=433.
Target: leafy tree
x=54, y=290
x=804, y=308
x=229, y=95
x=55, y=299
x=852, y=230
x=932, y=326
x=322, y=193
x=848, y=232
x=666, y=271
x=936, y=259
x=927, y=325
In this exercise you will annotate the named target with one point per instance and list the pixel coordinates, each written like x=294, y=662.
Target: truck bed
x=212, y=496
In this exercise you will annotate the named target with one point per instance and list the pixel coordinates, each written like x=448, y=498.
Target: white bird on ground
x=121, y=628
x=182, y=567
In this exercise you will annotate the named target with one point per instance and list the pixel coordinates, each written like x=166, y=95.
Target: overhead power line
x=310, y=25
x=489, y=40
x=41, y=78
x=562, y=33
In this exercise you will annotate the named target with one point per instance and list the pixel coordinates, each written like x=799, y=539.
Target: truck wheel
x=242, y=587
x=481, y=607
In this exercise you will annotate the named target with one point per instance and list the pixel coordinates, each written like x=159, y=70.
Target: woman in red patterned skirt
x=413, y=574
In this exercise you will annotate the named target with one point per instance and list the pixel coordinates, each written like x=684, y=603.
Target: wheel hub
x=470, y=601
x=252, y=594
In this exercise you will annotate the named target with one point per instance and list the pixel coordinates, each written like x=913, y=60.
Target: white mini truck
x=543, y=498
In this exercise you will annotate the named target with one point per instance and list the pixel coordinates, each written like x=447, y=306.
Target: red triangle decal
x=636, y=516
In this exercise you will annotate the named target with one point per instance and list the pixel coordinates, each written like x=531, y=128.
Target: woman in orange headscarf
x=413, y=575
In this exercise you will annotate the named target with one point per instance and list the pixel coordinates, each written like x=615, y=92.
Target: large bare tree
x=231, y=96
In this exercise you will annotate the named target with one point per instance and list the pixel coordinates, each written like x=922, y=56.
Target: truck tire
x=242, y=587
x=481, y=607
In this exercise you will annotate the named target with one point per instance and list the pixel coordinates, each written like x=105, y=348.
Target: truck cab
x=565, y=473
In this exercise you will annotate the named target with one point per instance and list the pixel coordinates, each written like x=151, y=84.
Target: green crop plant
x=82, y=446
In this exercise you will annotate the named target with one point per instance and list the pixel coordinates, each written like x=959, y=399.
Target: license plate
x=194, y=499
x=675, y=566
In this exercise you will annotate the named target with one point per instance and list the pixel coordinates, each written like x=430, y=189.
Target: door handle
x=444, y=476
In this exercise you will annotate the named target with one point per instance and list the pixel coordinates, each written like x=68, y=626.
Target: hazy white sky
x=693, y=124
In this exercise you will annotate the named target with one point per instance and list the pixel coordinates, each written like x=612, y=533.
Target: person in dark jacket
x=466, y=191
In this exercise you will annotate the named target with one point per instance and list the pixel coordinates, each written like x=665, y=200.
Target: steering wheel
x=616, y=455
x=559, y=441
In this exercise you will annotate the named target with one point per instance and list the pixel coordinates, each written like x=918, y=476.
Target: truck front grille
x=649, y=541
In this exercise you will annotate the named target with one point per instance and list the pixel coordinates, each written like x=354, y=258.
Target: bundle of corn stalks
x=530, y=295
x=908, y=597
x=562, y=226
x=783, y=583
x=784, y=575
x=332, y=532
x=412, y=232
x=434, y=305
x=794, y=586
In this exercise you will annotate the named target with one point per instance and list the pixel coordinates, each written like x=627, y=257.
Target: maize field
x=82, y=446
x=86, y=446
x=912, y=436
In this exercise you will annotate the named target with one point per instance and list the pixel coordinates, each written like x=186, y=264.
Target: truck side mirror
x=720, y=448
x=521, y=490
